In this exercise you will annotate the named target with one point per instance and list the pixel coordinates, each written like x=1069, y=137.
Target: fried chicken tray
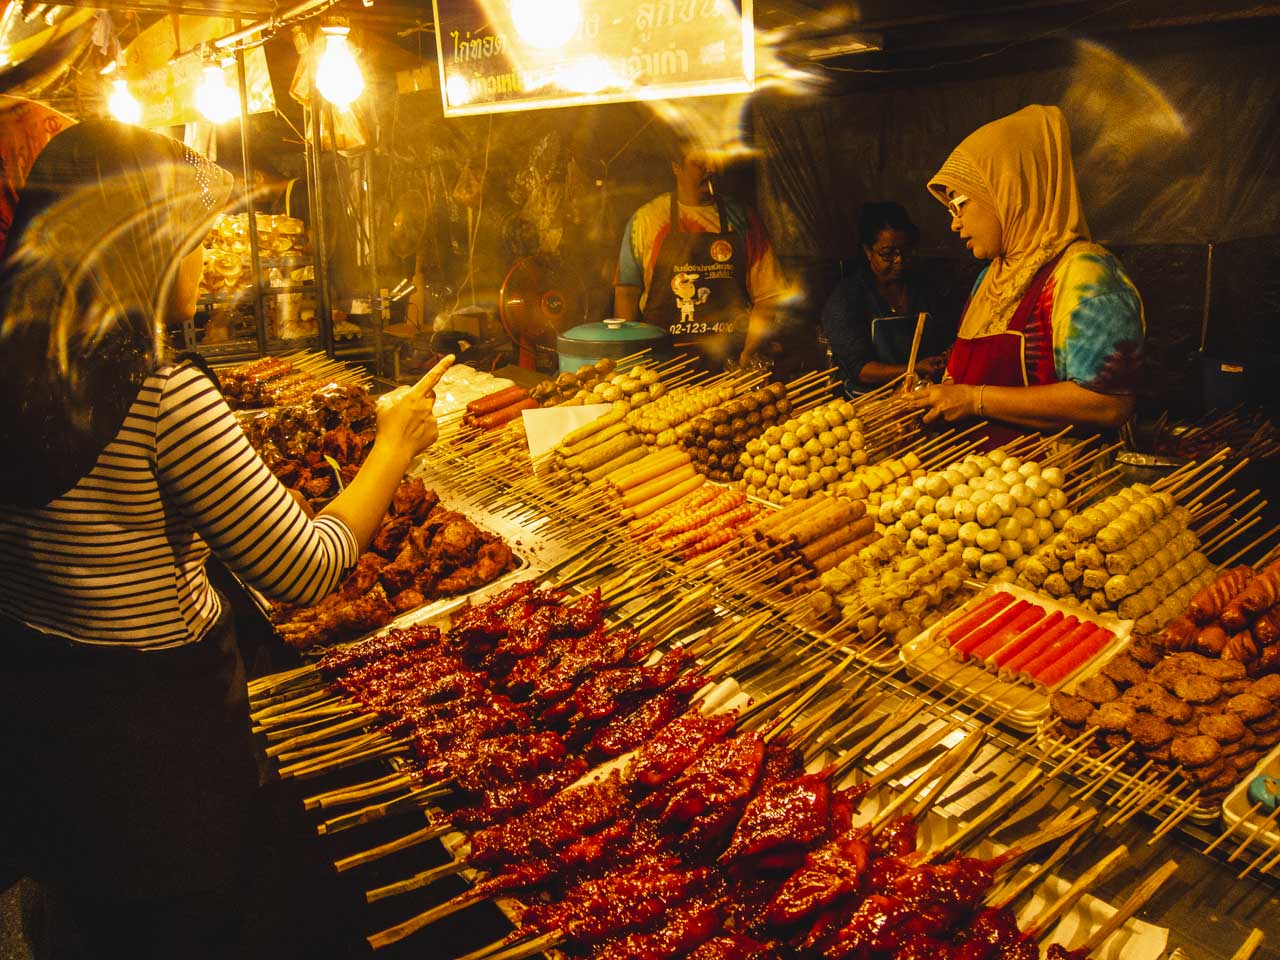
x=426, y=559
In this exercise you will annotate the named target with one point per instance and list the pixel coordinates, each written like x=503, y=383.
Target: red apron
x=1021, y=356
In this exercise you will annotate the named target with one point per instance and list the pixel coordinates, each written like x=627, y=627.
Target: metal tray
x=1019, y=704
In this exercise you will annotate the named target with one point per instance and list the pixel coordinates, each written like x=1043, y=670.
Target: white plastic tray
x=1018, y=704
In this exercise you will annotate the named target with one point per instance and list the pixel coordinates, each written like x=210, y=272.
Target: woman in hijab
x=123, y=716
x=1053, y=330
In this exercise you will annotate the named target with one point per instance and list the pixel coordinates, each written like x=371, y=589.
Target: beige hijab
x=1020, y=166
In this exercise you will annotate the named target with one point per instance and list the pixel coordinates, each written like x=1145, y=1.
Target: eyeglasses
x=956, y=205
x=893, y=254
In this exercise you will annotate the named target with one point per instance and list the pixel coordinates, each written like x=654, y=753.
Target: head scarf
x=107, y=213
x=1020, y=167
x=25, y=127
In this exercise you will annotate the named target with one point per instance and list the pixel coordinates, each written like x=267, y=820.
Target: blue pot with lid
x=583, y=345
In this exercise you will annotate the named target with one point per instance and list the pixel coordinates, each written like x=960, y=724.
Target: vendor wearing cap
x=1052, y=333
x=700, y=266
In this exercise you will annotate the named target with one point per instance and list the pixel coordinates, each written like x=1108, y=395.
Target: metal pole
x=375, y=287
x=324, y=315
x=255, y=257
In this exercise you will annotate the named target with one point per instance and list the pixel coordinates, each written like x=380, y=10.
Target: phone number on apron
x=685, y=328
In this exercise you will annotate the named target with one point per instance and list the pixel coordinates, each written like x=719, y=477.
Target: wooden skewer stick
x=1221, y=838
x=1252, y=835
x=1250, y=945
x=1044, y=923
x=411, y=926
x=494, y=951
x=378, y=811
x=1235, y=557
x=363, y=791
x=1015, y=889
x=1107, y=767
x=1150, y=791
x=416, y=882
x=1135, y=902
x=430, y=832
x=1180, y=812
x=282, y=749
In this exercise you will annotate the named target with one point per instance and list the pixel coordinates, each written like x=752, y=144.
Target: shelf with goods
x=743, y=611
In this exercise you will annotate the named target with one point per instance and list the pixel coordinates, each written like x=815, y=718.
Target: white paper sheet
x=546, y=428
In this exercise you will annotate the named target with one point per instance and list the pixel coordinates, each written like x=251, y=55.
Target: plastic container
x=583, y=345
x=1017, y=703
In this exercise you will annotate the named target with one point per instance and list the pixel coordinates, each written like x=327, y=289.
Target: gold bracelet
x=982, y=410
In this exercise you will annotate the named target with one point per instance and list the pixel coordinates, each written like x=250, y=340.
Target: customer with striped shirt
x=123, y=720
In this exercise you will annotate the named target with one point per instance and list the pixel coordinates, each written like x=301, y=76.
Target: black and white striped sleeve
x=208, y=470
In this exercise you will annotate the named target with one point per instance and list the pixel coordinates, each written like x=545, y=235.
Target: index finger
x=432, y=376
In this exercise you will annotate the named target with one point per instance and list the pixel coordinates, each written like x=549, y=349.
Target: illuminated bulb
x=546, y=24
x=458, y=91
x=337, y=74
x=122, y=104
x=215, y=99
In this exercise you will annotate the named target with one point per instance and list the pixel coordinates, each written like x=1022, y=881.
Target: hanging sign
x=503, y=55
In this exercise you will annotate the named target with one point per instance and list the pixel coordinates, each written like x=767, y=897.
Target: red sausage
x=1000, y=642
x=979, y=615
x=496, y=419
x=1072, y=660
x=496, y=401
x=1076, y=634
x=1040, y=639
x=1002, y=634
x=1066, y=648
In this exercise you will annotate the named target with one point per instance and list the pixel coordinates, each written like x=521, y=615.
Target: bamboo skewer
x=430, y=832
x=1041, y=926
x=1135, y=902
x=1250, y=945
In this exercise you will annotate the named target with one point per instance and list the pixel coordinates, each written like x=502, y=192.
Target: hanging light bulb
x=122, y=104
x=546, y=24
x=214, y=98
x=337, y=73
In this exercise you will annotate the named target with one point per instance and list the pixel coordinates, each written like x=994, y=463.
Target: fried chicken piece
x=1223, y=727
x=1149, y=732
x=363, y=577
x=1113, y=717
x=1124, y=670
x=1197, y=751
x=335, y=618
x=1250, y=708
x=391, y=534
x=407, y=497
x=401, y=572
x=1196, y=688
x=457, y=542
x=1072, y=710
x=1231, y=688
x=1098, y=689
x=407, y=600
x=341, y=444
x=318, y=487
x=492, y=560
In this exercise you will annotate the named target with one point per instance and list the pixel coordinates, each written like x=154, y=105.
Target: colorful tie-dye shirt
x=1095, y=315
x=649, y=226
